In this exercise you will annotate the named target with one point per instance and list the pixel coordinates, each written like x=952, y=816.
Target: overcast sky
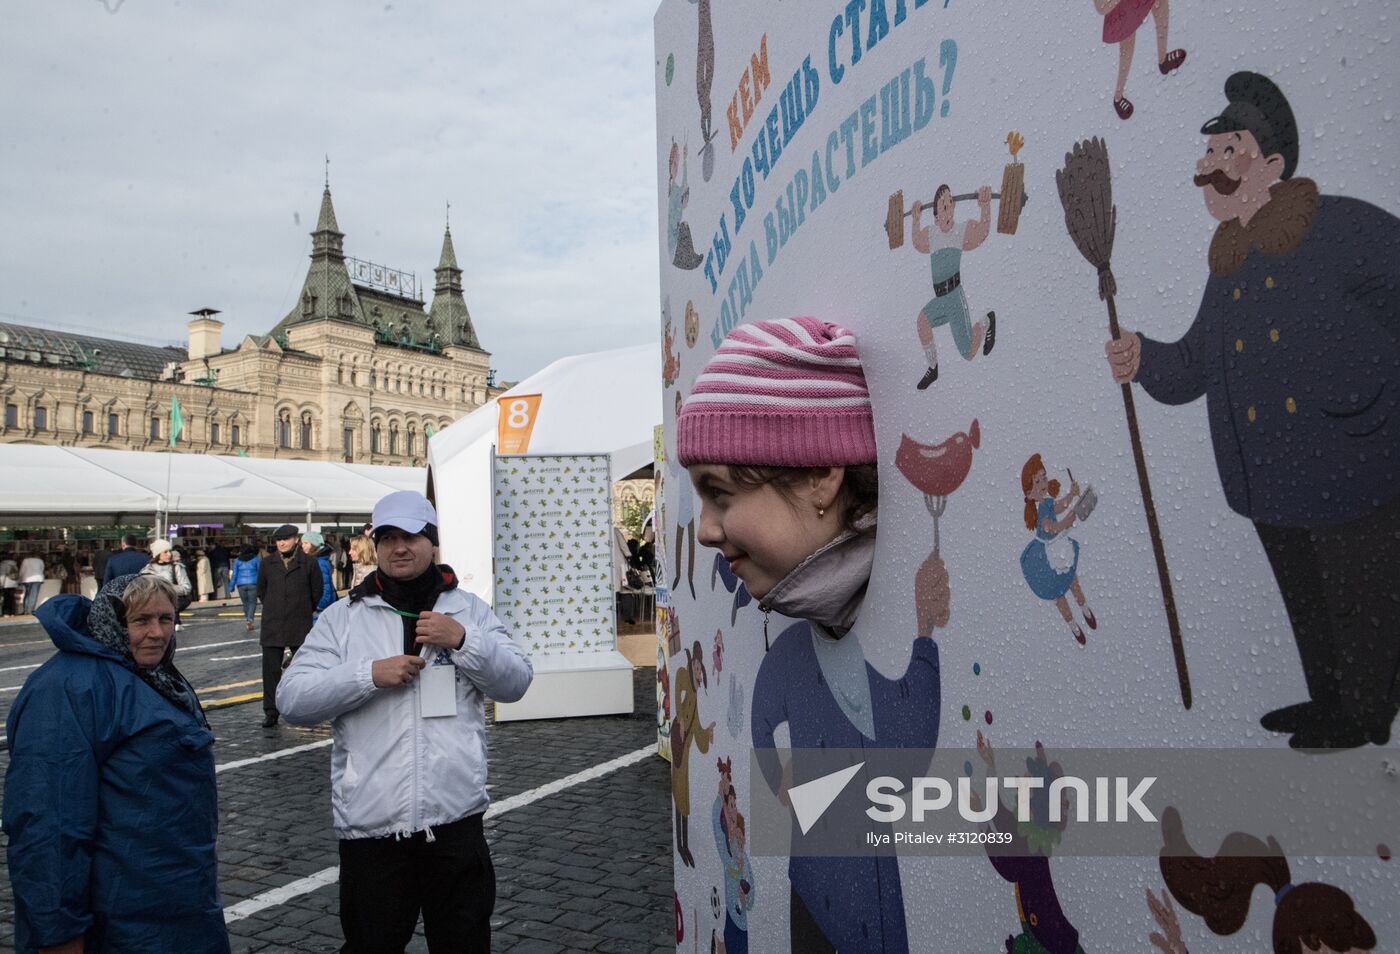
x=160, y=157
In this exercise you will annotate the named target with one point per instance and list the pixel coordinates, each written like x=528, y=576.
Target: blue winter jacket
x=328, y=594
x=110, y=805
x=245, y=572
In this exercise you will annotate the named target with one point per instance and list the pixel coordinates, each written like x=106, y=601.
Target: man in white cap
x=402, y=668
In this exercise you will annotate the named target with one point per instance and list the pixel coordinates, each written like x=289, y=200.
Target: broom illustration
x=1086, y=192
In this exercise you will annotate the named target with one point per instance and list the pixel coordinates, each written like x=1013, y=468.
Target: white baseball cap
x=407, y=510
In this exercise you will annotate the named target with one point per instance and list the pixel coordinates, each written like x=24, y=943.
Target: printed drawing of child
x=1050, y=562
x=779, y=439
x=731, y=845
x=1121, y=19
x=680, y=505
x=685, y=727
x=678, y=240
x=944, y=244
x=1024, y=861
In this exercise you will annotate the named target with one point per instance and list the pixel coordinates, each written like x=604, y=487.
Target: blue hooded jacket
x=328, y=593
x=110, y=805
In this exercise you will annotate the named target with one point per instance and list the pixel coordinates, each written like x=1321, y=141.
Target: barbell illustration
x=1012, y=198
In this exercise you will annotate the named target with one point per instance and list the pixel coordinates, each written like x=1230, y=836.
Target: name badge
x=437, y=692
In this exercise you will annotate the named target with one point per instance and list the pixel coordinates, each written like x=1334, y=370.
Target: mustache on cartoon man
x=1217, y=179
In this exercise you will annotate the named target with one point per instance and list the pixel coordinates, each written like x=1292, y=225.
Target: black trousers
x=1341, y=588
x=386, y=882
x=804, y=934
x=272, y=675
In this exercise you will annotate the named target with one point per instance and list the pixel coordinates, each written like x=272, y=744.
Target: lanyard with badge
x=437, y=685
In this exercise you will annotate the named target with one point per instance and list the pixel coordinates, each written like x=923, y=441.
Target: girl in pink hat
x=779, y=440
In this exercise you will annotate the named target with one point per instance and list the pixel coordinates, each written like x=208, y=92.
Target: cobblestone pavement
x=587, y=868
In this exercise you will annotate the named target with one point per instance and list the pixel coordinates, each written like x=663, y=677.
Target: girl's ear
x=825, y=487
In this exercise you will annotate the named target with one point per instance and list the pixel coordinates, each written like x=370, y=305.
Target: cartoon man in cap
x=1295, y=349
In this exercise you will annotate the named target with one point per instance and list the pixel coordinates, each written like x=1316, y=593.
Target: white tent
x=46, y=485
x=608, y=402
x=603, y=403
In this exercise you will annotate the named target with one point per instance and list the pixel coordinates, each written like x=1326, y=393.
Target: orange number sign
x=518, y=413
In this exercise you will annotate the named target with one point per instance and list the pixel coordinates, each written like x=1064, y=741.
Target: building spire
x=449, y=308
x=327, y=291
x=447, y=261
x=325, y=222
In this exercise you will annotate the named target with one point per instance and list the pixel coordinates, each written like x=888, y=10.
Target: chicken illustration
x=938, y=469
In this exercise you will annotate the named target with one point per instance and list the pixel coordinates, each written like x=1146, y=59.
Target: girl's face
x=762, y=533
x=1040, y=485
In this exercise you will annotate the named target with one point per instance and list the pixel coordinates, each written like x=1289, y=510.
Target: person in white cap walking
x=402, y=668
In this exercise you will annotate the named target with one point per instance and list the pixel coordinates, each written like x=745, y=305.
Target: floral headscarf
x=107, y=625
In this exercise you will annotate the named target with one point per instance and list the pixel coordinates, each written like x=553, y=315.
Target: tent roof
x=64, y=481
x=607, y=402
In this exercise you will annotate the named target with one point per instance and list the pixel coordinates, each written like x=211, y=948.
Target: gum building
x=362, y=369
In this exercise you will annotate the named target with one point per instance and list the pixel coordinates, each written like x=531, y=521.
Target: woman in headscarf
x=110, y=801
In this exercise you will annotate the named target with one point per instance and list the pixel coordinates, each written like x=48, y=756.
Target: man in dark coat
x=130, y=559
x=1295, y=349
x=289, y=584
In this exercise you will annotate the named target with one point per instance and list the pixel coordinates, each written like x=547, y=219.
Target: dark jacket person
x=110, y=802
x=130, y=559
x=289, y=586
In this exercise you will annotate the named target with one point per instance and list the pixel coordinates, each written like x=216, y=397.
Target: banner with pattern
x=553, y=557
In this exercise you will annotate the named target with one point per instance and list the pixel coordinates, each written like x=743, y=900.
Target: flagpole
x=163, y=530
x=177, y=424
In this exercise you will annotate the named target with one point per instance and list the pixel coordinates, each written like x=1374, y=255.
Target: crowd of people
x=107, y=737
x=212, y=570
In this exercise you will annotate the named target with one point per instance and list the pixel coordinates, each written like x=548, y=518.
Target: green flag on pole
x=177, y=420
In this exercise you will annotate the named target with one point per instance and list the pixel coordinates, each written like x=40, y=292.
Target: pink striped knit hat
x=784, y=393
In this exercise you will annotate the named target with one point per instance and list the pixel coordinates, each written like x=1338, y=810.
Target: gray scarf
x=106, y=624
x=827, y=589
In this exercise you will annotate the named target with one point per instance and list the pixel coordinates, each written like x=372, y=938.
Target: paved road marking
x=231, y=685
x=329, y=876
x=27, y=642
x=231, y=642
x=279, y=754
x=233, y=658
x=178, y=649
x=232, y=700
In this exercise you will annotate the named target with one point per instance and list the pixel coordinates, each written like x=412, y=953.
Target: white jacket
x=393, y=772
x=31, y=570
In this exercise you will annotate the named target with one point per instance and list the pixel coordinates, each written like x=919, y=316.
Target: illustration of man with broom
x=1295, y=349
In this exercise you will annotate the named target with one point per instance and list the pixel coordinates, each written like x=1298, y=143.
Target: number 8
x=519, y=414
